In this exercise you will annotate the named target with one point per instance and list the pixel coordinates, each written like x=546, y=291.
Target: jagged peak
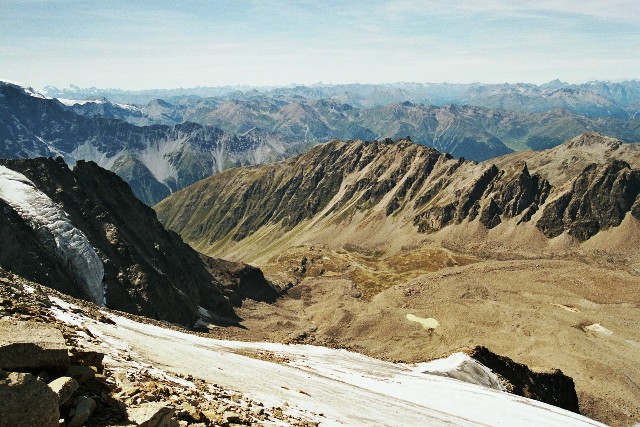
x=26, y=89
x=592, y=139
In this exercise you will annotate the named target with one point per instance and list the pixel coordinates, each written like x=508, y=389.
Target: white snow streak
x=348, y=388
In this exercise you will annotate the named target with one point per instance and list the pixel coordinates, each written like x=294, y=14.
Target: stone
x=26, y=401
x=84, y=408
x=82, y=374
x=231, y=417
x=64, y=387
x=155, y=414
x=33, y=346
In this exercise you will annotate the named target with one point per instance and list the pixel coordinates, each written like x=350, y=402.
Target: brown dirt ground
x=533, y=311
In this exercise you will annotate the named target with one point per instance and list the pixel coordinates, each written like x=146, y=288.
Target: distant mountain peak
x=591, y=139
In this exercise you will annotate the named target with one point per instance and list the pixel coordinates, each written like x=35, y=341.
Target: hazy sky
x=140, y=44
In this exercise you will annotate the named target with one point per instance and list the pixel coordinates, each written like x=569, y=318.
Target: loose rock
x=26, y=402
x=84, y=408
x=155, y=414
x=82, y=374
x=64, y=387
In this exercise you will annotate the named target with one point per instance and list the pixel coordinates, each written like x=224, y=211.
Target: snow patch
x=464, y=368
x=55, y=229
x=27, y=89
x=596, y=327
x=72, y=102
x=348, y=388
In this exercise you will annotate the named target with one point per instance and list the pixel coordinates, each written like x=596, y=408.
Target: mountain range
x=595, y=98
x=154, y=160
x=363, y=192
x=159, y=148
x=425, y=230
x=464, y=128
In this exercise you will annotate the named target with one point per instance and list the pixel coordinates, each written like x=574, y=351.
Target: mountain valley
x=376, y=243
x=398, y=251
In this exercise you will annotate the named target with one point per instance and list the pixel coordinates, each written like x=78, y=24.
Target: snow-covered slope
x=333, y=387
x=56, y=230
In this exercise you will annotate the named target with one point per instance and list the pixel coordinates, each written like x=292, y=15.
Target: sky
x=146, y=44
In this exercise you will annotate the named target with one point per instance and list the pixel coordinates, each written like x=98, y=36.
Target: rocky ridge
x=357, y=186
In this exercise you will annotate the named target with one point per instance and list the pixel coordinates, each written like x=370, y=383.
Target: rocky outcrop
x=599, y=198
x=553, y=387
x=241, y=281
x=147, y=270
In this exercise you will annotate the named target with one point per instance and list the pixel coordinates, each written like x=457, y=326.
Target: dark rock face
x=241, y=281
x=496, y=194
x=147, y=270
x=600, y=198
x=553, y=388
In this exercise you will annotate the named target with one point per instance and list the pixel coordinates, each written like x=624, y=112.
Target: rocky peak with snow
x=83, y=232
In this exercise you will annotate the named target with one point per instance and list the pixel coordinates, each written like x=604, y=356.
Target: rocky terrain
x=340, y=192
x=54, y=367
x=136, y=265
x=398, y=251
x=86, y=365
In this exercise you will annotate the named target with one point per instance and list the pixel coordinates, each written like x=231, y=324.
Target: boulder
x=232, y=417
x=26, y=401
x=82, y=374
x=32, y=346
x=153, y=414
x=84, y=408
x=64, y=387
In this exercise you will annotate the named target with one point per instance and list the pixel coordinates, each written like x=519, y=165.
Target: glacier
x=333, y=387
x=46, y=217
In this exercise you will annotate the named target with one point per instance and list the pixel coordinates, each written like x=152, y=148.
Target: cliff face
x=599, y=198
x=354, y=185
x=147, y=269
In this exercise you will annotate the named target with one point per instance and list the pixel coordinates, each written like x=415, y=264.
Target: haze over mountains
x=596, y=98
